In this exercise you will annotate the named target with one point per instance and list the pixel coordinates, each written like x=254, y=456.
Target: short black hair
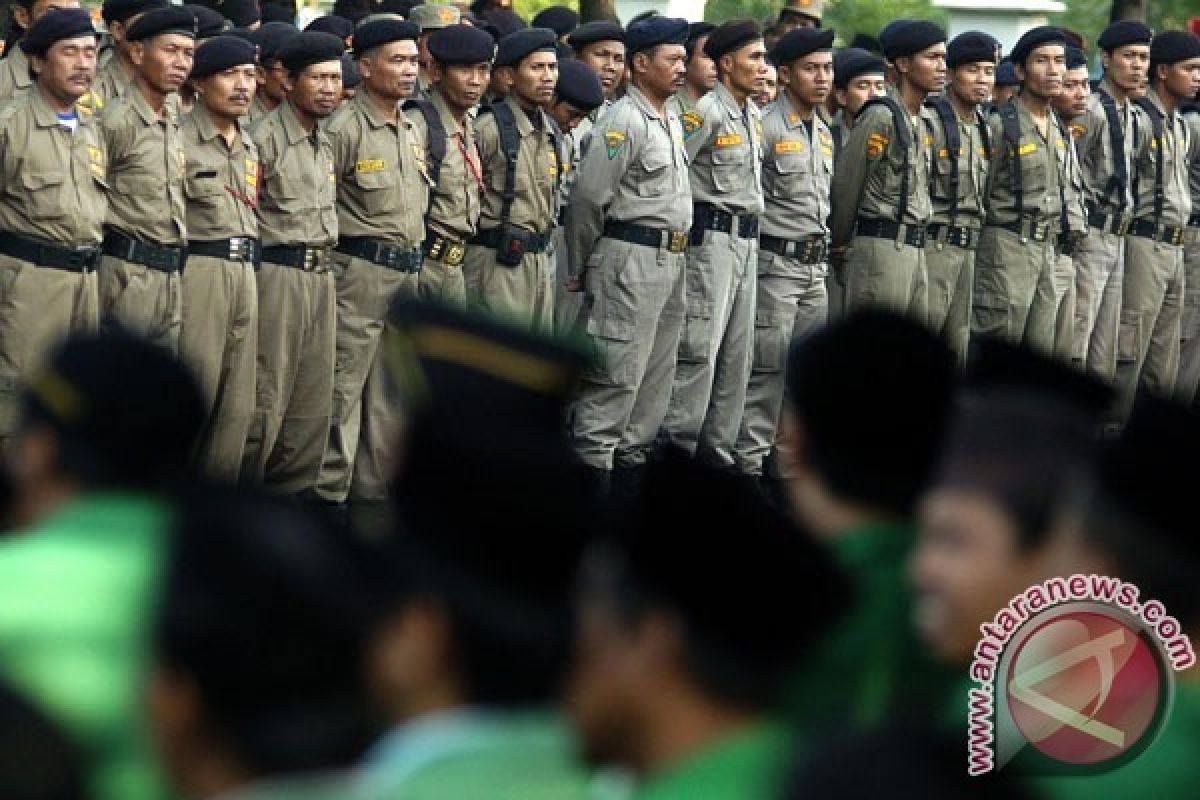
x=873, y=393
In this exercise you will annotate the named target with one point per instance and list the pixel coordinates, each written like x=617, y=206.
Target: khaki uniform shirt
x=222, y=182
x=1043, y=164
x=1192, y=119
x=455, y=206
x=870, y=176
x=383, y=187
x=536, y=205
x=146, y=166
x=972, y=158
x=1075, y=189
x=258, y=109
x=635, y=170
x=111, y=82
x=53, y=184
x=1097, y=159
x=726, y=154
x=297, y=205
x=14, y=73
x=1177, y=200
x=796, y=174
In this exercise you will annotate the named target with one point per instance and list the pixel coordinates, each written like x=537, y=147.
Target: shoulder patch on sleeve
x=692, y=122
x=876, y=144
x=613, y=141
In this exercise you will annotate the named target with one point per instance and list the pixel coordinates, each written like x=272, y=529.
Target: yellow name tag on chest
x=730, y=140
x=373, y=165
x=1027, y=149
x=789, y=146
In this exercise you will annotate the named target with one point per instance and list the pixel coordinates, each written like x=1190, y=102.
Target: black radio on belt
x=511, y=246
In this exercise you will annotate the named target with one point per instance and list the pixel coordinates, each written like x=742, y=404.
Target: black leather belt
x=912, y=235
x=400, y=257
x=958, y=235
x=1068, y=242
x=708, y=218
x=1194, y=221
x=164, y=258
x=237, y=248
x=44, y=254
x=1145, y=229
x=1029, y=228
x=534, y=242
x=309, y=259
x=562, y=216
x=447, y=251
x=674, y=241
x=1109, y=223
x=806, y=251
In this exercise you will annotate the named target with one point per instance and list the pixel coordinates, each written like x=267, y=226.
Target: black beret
x=270, y=37
x=338, y=26
x=579, y=85
x=221, y=53
x=852, y=62
x=274, y=12
x=242, y=13
x=1006, y=75
x=350, y=77
x=461, y=44
x=516, y=46
x=800, y=42
x=972, y=47
x=730, y=36
x=308, y=48
x=503, y=21
x=1170, y=47
x=54, y=26
x=696, y=32
x=382, y=31
x=653, y=31
x=1035, y=38
x=600, y=30
x=1076, y=58
x=909, y=37
x=564, y=51
x=559, y=19
x=121, y=10
x=209, y=23
x=1123, y=33
x=174, y=19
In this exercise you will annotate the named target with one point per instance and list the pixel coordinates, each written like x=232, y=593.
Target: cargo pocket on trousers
x=772, y=334
x=614, y=361
x=989, y=313
x=1129, y=339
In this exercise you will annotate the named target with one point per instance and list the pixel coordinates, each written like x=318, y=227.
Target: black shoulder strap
x=510, y=143
x=900, y=124
x=1158, y=145
x=1012, y=137
x=949, y=120
x=1118, y=182
x=435, y=141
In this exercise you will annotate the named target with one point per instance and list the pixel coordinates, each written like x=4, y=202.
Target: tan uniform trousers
x=1014, y=296
x=523, y=294
x=294, y=400
x=219, y=342
x=791, y=300
x=1151, y=320
x=879, y=273
x=1189, y=338
x=145, y=300
x=1099, y=273
x=635, y=307
x=39, y=307
x=365, y=291
x=1065, y=288
x=716, y=348
x=439, y=282
x=569, y=315
x=951, y=275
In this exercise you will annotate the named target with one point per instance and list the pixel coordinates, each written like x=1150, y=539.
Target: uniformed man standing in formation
x=627, y=229
x=118, y=74
x=430, y=18
x=859, y=77
x=1070, y=106
x=15, y=76
x=146, y=233
x=460, y=67
x=1189, y=348
x=53, y=203
x=219, y=336
x=298, y=224
x=716, y=346
x=701, y=76
x=271, y=73
x=793, y=241
x=880, y=189
x=1105, y=147
x=958, y=184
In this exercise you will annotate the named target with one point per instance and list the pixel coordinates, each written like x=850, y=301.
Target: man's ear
x=22, y=16
x=137, y=53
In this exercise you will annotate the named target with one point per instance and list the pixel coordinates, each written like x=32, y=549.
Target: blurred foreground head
x=693, y=614
x=868, y=400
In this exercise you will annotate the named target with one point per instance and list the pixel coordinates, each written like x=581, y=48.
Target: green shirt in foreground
x=752, y=764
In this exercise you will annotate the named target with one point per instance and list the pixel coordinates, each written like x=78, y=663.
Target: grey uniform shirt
x=1173, y=151
x=726, y=154
x=299, y=184
x=635, y=170
x=972, y=160
x=1043, y=164
x=796, y=173
x=1192, y=119
x=1097, y=156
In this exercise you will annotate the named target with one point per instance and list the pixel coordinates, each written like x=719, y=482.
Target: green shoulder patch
x=613, y=141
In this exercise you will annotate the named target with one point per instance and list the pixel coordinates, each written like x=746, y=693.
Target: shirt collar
x=448, y=121
x=524, y=126
x=207, y=128
x=291, y=123
x=18, y=63
x=726, y=97
x=370, y=110
x=43, y=114
x=639, y=99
